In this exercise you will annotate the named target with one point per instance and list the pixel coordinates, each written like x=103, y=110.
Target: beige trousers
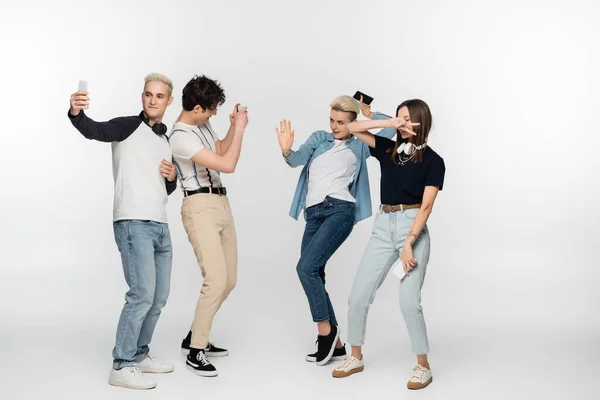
x=209, y=225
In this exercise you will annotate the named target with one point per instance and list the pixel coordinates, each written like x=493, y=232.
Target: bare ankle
x=324, y=328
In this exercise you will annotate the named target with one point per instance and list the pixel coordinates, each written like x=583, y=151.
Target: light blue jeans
x=147, y=255
x=383, y=249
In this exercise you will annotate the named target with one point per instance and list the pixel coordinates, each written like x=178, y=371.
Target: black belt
x=214, y=190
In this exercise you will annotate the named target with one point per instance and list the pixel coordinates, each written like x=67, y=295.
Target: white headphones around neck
x=408, y=148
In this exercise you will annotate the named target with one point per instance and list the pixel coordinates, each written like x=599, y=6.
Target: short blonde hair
x=156, y=77
x=346, y=104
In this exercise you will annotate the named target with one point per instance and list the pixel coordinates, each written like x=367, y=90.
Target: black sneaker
x=213, y=351
x=210, y=350
x=198, y=363
x=338, y=355
x=186, y=344
x=326, y=346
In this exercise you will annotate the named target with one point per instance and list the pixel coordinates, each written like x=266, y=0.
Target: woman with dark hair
x=412, y=173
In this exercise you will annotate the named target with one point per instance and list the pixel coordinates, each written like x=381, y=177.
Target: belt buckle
x=402, y=207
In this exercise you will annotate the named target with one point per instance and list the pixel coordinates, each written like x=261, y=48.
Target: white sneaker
x=420, y=379
x=131, y=378
x=151, y=365
x=351, y=365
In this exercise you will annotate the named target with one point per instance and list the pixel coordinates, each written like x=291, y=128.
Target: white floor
x=486, y=363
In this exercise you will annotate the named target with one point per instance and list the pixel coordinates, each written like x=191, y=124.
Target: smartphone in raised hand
x=83, y=86
x=366, y=98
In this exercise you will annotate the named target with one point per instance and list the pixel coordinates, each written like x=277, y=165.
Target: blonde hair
x=346, y=104
x=156, y=77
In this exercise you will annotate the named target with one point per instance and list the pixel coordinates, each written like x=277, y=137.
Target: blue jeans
x=147, y=255
x=384, y=249
x=328, y=224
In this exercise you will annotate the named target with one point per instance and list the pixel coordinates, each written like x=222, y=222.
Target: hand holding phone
x=366, y=98
x=79, y=100
x=398, y=270
x=236, y=109
x=239, y=119
x=365, y=101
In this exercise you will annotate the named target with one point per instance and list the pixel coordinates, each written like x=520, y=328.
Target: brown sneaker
x=421, y=378
x=351, y=365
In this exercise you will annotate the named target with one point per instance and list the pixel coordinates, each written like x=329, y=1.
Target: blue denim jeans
x=328, y=224
x=383, y=250
x=147, y=255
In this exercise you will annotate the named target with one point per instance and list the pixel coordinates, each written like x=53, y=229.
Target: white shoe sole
x=333, y=358
x=185, y=352
x=158, y=371
x=148, y=386
x=328, y=358
x=201, y=373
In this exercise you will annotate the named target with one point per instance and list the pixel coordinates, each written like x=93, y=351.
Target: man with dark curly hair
x=200, y=157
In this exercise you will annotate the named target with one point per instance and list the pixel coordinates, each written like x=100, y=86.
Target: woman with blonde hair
x=333, y=190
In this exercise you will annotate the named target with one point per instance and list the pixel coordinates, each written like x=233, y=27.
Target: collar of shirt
x=330, y=138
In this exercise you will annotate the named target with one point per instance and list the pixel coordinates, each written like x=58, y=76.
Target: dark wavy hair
x=419, y=112
x=202, y=91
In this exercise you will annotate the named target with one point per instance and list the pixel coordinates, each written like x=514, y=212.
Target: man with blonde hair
x=144, y=177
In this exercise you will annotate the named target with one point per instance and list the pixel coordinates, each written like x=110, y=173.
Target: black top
x=405, y=184
x=115, y=130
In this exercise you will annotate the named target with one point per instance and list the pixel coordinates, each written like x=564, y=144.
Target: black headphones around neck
x=159, y=128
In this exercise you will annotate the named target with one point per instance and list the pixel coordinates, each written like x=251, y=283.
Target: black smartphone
x=366, y=98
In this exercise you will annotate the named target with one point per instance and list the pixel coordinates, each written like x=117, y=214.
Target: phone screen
x=366, y=98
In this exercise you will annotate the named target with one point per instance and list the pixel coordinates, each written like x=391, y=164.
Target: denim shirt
x=317, y=144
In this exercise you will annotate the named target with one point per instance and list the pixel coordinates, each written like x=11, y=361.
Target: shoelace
x=151, y=358
x=135, y=371
x=202, y=358
x=418, y=372
x=347, y=362
x=321, y=346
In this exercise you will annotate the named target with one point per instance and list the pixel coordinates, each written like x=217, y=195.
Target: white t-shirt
x=331, y=174
x=187, y=140
x=139, y=187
